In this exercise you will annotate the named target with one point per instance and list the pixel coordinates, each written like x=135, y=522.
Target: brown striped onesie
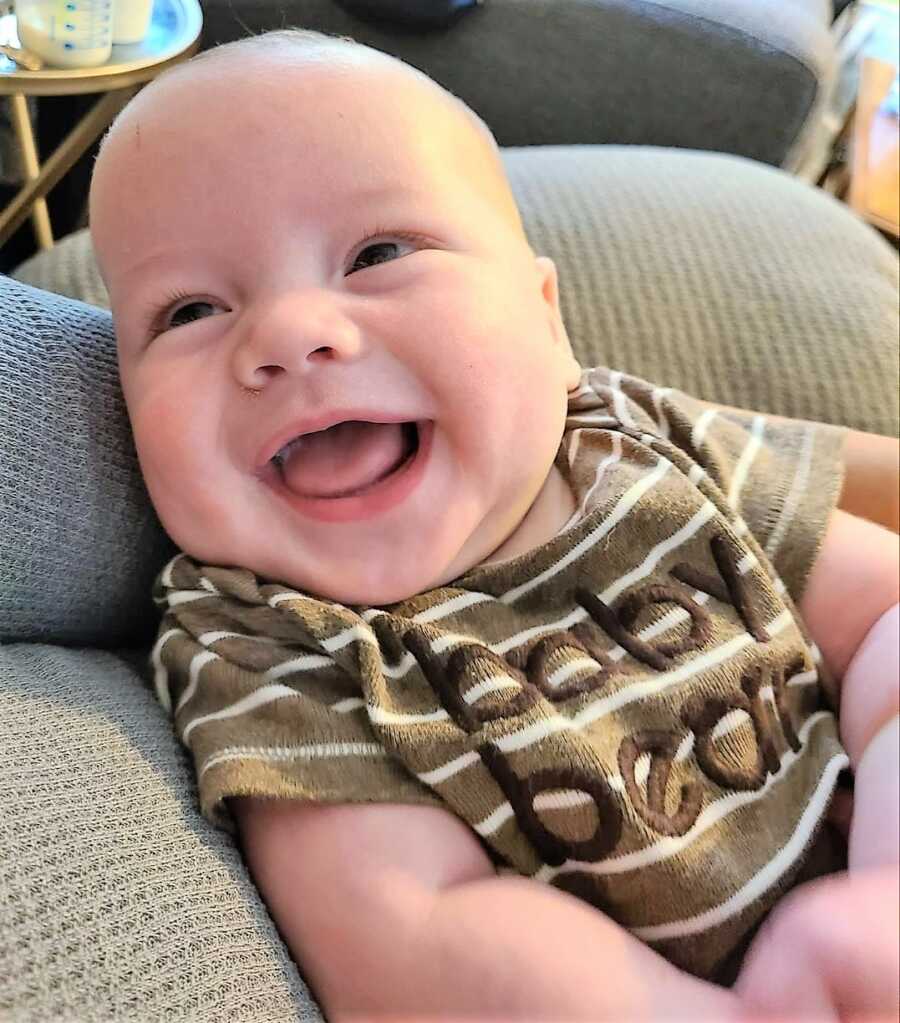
x=632, y=712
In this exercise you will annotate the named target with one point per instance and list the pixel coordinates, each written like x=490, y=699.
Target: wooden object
x=875, y=169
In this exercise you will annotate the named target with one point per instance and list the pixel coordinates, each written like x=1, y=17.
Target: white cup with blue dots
x=66, y=33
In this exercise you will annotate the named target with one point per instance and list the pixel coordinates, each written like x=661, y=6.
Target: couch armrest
x=119, y=902
x=726, y=75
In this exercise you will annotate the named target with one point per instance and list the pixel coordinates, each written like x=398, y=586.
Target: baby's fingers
x=830, y=951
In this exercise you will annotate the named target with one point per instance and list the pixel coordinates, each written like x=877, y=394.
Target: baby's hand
x=830, y=951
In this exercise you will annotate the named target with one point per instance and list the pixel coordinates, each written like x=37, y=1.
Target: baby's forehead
x=275, y=72
x=269, y=101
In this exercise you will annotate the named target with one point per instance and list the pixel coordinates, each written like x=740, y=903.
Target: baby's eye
x=377, y=252
x=191, y=311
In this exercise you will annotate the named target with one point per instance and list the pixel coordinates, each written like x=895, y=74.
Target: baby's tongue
x=343, y=458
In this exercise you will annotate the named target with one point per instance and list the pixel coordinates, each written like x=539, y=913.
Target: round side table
x=173, y=36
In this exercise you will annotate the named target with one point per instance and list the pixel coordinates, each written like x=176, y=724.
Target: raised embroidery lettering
x=607, y=620
x=701, y=714
x=735, y=590
x=521, y=792
x=662, y=747
x=538, y=672
x=449, y=681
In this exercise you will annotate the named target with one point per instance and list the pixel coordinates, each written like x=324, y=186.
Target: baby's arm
x=850, y=607
x=831, y=948
x=396, y=913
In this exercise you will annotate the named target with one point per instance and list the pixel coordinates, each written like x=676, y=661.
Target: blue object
x=891, y=102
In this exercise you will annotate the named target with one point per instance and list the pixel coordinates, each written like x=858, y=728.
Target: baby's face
x=325, y=253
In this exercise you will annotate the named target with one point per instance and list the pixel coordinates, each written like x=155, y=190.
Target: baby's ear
x=546, y=269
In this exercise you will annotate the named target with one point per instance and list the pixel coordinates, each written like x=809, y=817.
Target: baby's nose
x=295, y=333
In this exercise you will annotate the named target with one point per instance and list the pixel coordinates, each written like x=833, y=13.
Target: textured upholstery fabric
x=117, y=901
x=79, y=544
x=729, y=75
x=732, y=281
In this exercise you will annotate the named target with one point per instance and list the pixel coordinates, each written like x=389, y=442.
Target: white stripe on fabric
x=642, y=769
x=624, y=505
x=305, y=663
x=347, y=636
x=766, y=877
x=661, y=419
x=730, y=721
x=348, y=704
x=317, y=751
x=208, y=586
x=160, y=675
x=269, y=693
x=804, y=678
x=445, y=771
x=574, y=444
x=449, y=607
x=701, y=426
x=495, y=821
x=381, y=716
x=197, y=662
x=797, y=489
x=659, y=551
x=609, y=460
x=208, y=638
x=258, y=698
x=574, y=667
x=178, y=597
x=489, y=685
x=696, y=473
x=748, y=561
x=672, y=845
x=285, y=595
x=167, y=571
x=685, y=749
x=742, y=468
x=561, y=625
x=564, y=799
x=620, y=399
x=780, y=623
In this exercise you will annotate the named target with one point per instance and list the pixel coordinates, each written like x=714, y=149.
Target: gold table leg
x=31, y=167
x=95, y=121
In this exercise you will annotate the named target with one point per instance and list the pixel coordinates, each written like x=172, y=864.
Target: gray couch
x=748, y=77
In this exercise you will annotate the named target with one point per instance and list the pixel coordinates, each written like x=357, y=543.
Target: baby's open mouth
x=346, y=459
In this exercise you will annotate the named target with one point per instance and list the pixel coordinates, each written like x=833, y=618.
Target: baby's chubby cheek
x=183, y=471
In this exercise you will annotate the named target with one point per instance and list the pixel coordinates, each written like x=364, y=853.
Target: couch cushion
x=79, y=543
x=728, y=279
x=118, y=901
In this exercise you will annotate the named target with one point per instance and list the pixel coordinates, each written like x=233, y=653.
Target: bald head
x=283, y=59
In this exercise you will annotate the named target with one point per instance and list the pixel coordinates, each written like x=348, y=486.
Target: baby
x=495, y=663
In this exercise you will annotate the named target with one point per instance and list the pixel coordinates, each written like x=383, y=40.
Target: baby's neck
x=551, y=510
